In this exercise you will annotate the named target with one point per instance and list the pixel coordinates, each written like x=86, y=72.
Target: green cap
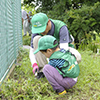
x=39, y=23
x=46, y=42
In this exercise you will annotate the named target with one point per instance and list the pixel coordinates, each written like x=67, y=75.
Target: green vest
x=57, y=25
x=70, y=67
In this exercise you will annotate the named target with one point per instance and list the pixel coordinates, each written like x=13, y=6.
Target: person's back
x=24, y=14
x=65, y=62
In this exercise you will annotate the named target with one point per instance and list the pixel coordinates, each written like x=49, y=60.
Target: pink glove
x=35, y=68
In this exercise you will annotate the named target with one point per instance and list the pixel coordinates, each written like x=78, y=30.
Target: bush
x=92, y=45
x=80, y=22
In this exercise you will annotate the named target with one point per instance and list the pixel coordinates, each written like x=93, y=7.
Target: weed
x=22, y=85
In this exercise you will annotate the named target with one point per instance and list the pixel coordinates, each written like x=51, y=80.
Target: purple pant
x=58, y=83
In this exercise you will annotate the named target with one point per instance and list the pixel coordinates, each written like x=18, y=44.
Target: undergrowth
x=22, y=85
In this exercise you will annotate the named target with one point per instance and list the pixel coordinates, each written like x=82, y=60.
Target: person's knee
x=79, y=58
x=35, y=41
x=36, y=38
x=76, y=53
x=46, y=68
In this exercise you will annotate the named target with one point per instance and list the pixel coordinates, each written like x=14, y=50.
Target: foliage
x=95, y=44
x=27, y=40
x=79, y=3
x=82, y=22
x=47, y=5
x=22, y=85
x=28, y=8
x=92, y=45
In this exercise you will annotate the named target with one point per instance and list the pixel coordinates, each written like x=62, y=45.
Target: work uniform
x=60, y=32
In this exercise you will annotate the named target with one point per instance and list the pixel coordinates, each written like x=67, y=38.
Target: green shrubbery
x=81, y=22
x=92, y=45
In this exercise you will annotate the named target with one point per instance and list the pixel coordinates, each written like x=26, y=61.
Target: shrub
x=82, y=22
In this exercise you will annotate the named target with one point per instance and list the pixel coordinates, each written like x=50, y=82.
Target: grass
x=26, y=39
x=22, y=85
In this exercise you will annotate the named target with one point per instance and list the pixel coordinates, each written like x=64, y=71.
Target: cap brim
x=38, y=30
x=36, y=51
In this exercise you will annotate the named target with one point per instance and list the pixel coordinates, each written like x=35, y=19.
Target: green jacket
x=70, y=67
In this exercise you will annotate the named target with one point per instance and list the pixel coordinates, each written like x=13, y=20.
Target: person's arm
x=64, y=45
x=64, y=38
x=32, y=56
x=28, y=18
x=22, y=21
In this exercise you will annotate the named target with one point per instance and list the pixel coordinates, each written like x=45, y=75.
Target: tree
x=47, y=5
x=28, y=8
